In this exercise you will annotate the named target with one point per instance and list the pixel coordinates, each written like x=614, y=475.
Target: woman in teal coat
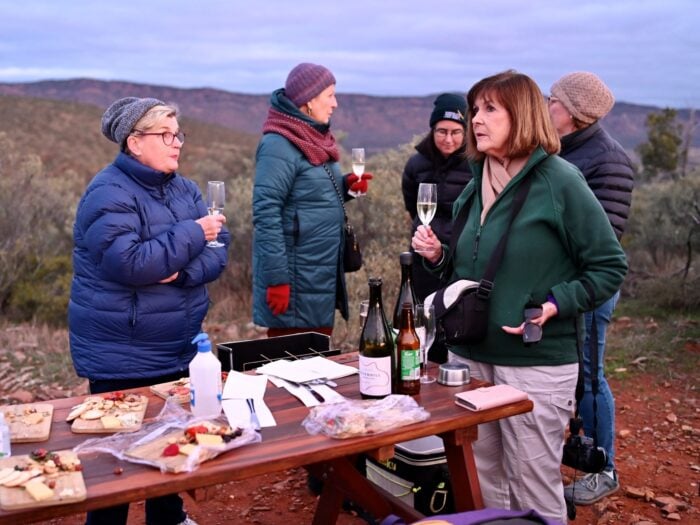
x=561, y=255
x=298, y=199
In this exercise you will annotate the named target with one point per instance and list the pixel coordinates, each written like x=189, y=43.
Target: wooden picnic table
x=283, y=447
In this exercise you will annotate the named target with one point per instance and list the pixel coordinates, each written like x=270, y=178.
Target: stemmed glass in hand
x=216, y=196
x=424, y=324
x=358, y=167
x=426, y=203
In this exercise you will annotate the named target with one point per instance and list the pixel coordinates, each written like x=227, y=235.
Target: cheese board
x=107, y=413
x=178, y=390
x=40, y=479
x=29, y=422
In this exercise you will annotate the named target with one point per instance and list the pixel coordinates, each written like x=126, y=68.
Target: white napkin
x=237, y=389
x=301, y=370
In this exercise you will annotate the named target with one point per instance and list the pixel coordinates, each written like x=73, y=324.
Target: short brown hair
x=531, y=125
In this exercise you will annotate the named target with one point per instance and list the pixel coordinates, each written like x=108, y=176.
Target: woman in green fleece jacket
x=562, y=255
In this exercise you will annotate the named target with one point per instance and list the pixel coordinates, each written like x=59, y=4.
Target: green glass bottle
x=377, y=355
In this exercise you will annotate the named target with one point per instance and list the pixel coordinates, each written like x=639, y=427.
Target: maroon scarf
x=317, y=147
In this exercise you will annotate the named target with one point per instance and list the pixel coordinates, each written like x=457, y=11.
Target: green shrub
x=42, y=295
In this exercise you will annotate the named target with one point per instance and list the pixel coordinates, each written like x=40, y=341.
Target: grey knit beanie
x=306, y=81
x=121, y=117
x=584, y=95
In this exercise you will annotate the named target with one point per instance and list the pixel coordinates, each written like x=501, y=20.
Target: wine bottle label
x=375, y=376
x=410, y=365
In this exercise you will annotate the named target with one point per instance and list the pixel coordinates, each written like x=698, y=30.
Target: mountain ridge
x=374, y=122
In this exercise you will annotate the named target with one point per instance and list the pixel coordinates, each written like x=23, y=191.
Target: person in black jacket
x=442, y=160
x=577, y=102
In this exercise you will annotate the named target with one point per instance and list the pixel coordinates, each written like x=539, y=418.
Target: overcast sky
x=647, y=51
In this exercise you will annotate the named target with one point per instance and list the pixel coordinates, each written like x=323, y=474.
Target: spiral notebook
x=489, y=397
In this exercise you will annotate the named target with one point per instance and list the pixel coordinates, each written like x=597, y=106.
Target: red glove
x=358, y=185
x=278, y=298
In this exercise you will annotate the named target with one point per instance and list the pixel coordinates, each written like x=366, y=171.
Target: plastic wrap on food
x=351, y=417
x=175, y=441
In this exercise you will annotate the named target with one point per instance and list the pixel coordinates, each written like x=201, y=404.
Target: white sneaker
x=188, y=521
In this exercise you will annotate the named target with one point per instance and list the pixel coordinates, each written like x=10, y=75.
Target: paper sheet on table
x=243, y=386
x=238, y=414
x=237, y=389
x=301, y=370
x=306, y=397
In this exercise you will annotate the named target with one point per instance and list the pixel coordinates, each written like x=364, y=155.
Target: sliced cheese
x=187, y=448
x=209, y=439
x=92, y=414
x=33, y=419
x=76, y=411
x=24, y=476
x=12, y=477
x=6, y=473
x=110, y=422
x=38, y=490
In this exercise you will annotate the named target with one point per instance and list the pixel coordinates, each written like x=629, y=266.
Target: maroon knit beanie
x=306, y=81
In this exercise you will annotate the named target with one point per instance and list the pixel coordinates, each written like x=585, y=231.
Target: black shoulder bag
x=352, y=256
x=464, y=318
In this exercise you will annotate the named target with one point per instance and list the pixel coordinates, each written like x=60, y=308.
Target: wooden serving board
x=177, y=390
x=69, y=488
x=30, y=422
x=95, y=426
x=153, y=452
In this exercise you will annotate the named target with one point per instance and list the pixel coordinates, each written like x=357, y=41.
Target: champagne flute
x=216, y=197
x=427, y=202
x=424, y=324
x=358, y=167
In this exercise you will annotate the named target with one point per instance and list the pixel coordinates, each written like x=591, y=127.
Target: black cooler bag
x=417, y=474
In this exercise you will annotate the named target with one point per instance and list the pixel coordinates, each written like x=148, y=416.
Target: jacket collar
x=577, y=138
x=145, y=176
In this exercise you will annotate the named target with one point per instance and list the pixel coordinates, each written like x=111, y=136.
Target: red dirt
x=658, y=456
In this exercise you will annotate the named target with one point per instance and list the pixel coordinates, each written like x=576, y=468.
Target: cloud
x=646, y=50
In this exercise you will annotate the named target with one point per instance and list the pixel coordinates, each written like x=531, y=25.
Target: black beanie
x=449, y=107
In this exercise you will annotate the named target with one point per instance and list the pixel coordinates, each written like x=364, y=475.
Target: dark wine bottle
x=408, y=352
x=406, y=292
x=377, y=356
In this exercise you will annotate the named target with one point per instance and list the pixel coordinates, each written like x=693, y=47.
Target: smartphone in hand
x=532, y=333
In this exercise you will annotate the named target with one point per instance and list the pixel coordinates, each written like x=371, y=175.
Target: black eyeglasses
x=167, y=136
x=454, y=133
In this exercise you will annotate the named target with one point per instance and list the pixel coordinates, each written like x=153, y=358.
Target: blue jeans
x=164, y=510
x=605, y=412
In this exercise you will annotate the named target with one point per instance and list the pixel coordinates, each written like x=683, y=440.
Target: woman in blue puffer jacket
x=140, y=266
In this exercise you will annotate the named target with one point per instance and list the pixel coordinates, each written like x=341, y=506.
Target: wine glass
x=424, y=324
x=216, y=196
x=427, y=202
x=358, y=167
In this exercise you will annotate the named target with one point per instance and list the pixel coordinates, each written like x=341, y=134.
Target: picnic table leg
x=341, y=479
x=463, y=474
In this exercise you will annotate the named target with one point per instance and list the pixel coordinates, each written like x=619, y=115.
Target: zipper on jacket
x=476, y=244
x=295, y=229
x=132, y=317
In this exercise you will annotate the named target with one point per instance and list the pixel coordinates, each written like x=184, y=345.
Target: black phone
x=532, y=333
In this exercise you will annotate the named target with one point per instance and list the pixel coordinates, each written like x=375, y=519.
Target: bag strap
x=486, y=282
x=337, y=190
x=580, y=383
